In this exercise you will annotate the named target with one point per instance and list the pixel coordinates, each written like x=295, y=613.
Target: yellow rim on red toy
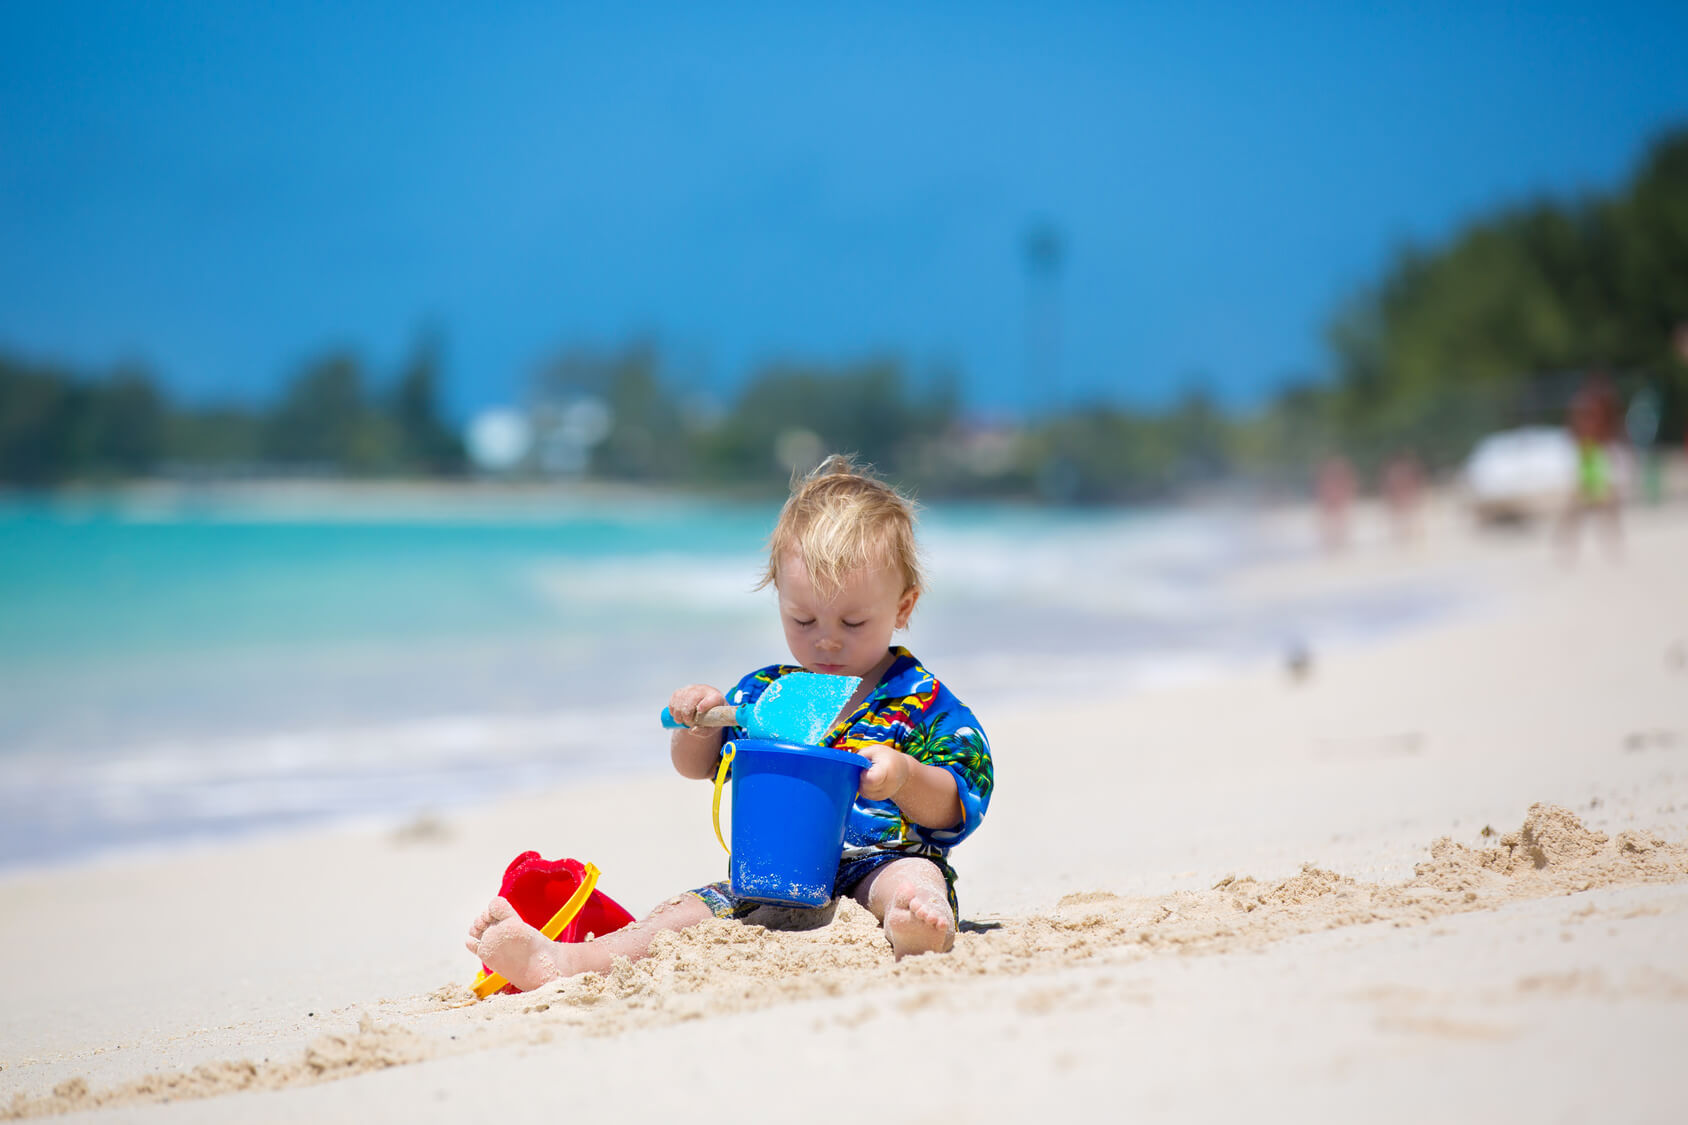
x=487, y=983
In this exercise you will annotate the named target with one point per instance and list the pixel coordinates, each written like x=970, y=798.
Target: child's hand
x=687, y=703
x=889, y=773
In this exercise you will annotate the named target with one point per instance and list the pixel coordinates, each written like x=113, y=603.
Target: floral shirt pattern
x=910, y=711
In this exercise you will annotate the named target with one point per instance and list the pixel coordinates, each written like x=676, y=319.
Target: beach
x=1434, y=872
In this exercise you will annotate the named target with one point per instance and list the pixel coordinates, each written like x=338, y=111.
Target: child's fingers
x=693, y=700
x=877, y=776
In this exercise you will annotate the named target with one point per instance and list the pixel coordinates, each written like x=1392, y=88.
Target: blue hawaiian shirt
x=909, y=710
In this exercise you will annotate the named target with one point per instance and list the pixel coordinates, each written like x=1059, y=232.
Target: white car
x=1521, y=474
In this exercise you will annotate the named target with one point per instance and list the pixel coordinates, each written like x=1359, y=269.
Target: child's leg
x=527, y=958
x=909, y=895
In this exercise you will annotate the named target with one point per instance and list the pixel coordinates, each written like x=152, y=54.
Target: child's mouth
x=829, y=669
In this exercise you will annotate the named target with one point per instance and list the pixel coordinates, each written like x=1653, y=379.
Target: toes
x=930, y=912
x=922, y=924
x=496, y=911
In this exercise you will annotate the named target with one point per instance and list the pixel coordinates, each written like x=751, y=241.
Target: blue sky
x=225, y=190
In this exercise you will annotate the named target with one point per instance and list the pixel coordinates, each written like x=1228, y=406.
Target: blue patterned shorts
x=723, y=903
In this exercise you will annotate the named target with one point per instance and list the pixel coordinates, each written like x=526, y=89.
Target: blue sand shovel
x=798, y=707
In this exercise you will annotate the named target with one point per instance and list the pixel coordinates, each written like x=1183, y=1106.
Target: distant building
x=498, y=440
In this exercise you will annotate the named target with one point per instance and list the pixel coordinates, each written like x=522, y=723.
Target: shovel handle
x=714, y=717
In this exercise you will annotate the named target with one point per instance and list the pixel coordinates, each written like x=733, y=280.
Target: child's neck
x=869, y=682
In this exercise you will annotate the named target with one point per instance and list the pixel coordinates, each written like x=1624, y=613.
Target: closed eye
x=800, y=621
x=854, y=624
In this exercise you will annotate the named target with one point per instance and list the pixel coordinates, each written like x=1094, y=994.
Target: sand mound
x=1553, y=852
x=1552, y=836
x=370, y=1047
x=721, y=967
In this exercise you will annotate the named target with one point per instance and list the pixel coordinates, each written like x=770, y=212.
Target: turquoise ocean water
x=180, y=665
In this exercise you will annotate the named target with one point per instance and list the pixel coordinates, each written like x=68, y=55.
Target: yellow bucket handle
x=487, y=983
x=720, y=779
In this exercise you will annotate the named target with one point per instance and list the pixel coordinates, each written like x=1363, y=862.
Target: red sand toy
x=560, y=894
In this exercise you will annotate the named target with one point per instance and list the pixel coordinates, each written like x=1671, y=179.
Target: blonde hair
x=841, y=518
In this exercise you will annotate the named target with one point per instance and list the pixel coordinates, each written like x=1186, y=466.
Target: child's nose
x=830, y=644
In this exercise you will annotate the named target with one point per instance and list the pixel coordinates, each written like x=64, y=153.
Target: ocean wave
x=1160, y=565
x=57, y=804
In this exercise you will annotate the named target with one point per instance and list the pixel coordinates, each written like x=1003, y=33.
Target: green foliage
x=35, y=424
x=123, y=426
x=1102, y=454
x=1459, y=341
x=330, y=420
x=645, y=422
x=323, y=421
x=644, y=437
x=425, y=441
x=867, y=409
x=57, y=425
x=221, y=437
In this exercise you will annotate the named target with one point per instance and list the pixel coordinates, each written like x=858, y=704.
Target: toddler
x=843, y=561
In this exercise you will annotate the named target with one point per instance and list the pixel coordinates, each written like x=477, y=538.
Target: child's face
x=849, y=633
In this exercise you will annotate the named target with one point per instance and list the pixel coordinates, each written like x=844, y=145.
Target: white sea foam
x=1133, y=565
x=670, y=582
x=57, y=803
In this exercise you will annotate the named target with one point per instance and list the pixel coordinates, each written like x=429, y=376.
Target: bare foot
x=513, y=949
x=919, y=921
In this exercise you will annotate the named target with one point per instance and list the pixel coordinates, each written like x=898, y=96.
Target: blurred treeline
x=57, y=425
x=1501, y=325
x=1492, y=330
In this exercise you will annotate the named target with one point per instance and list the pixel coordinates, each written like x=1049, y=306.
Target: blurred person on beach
x=844, y=562
x=1334, y=487
x=1641, y=424
x=1403, y=495
x=1593, y=419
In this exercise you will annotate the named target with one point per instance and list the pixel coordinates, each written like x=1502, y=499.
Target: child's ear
x=905, y=605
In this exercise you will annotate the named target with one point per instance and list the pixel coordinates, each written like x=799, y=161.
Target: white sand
x=1541, y=971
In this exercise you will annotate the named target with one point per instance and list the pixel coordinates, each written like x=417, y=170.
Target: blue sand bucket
x=789, y=807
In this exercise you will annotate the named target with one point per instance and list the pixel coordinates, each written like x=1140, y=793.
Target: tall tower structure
x=1043, y=253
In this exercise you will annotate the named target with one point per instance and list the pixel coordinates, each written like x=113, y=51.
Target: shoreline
x=1239, y=493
